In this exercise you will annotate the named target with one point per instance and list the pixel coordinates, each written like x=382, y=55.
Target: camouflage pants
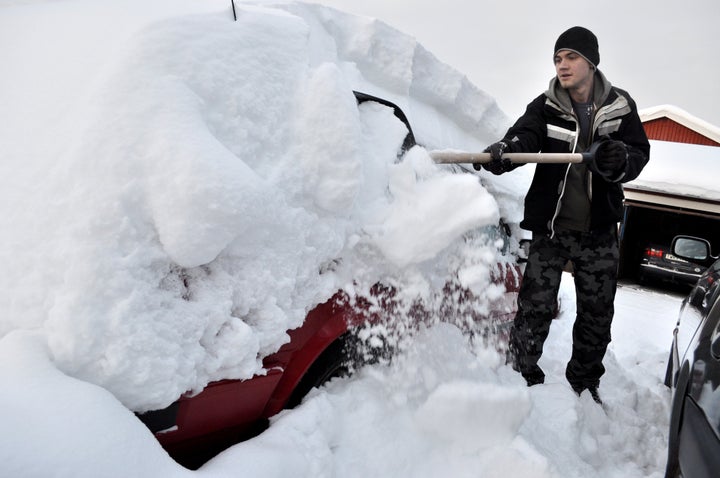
x=594, y=257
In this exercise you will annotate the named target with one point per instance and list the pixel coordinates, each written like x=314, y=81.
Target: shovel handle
x=453, y=157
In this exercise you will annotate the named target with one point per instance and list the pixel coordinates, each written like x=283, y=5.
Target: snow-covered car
x=693, y=373
x=660, y=263
x=335, y=338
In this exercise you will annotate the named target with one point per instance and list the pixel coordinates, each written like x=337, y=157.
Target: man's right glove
x=497, y=164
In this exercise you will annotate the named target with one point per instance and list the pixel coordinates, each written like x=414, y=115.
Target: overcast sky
x=660, y=51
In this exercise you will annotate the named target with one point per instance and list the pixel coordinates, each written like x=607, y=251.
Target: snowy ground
x=171, y=182
x=446, y=408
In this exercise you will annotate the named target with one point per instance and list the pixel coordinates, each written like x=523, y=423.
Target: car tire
x=641, y=279
x=334, y=361
x=340, y=359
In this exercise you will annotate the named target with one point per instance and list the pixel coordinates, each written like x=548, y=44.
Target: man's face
x=573, y=71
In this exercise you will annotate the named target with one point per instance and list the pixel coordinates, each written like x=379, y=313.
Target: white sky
x=660, y=51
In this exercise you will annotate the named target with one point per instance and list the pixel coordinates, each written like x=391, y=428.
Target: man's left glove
x=611, y=156
x=497, y=164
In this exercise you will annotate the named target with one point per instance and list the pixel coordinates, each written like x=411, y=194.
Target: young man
x=573, y=210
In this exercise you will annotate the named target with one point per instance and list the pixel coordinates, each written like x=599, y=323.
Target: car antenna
x=232, y=2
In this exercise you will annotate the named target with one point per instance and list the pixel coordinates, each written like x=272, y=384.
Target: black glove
x=497, y=164
x=611, y=157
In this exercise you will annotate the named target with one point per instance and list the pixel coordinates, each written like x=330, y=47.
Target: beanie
x=580, y=40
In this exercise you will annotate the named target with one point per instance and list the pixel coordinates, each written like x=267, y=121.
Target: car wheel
x=641, y=279
x=335, y=361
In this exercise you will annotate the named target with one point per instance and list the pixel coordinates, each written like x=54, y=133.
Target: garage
x=677, y=193
x=655, y=218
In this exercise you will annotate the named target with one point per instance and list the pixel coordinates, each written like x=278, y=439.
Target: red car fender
x=324, y=325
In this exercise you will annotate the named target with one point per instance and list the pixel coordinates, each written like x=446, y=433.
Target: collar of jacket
x=561, y=98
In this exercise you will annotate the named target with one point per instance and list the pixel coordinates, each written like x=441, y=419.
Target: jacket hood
x=559, y=95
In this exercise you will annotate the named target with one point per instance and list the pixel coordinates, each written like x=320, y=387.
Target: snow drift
x=181, y=212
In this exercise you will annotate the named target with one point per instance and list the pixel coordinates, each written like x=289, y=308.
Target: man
x=573, y=210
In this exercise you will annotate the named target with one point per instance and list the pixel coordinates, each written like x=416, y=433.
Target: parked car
x=660, y=263
x=693, y=372
x=196, y=427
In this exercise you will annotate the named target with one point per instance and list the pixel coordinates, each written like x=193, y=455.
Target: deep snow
x=171, y=184
x=444, y=408
x=222, y=162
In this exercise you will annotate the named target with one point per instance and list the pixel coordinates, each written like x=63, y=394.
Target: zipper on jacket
x=564, y=185
x=593, y=130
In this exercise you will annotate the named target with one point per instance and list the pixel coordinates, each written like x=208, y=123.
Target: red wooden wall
x=665, y=129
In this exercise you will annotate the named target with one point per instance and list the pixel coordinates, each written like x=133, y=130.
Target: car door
x=699, y=451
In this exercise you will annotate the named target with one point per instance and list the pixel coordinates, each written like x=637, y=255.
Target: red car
x=195, y=428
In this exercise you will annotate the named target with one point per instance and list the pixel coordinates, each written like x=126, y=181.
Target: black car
x=693, y=372
x=660, y=263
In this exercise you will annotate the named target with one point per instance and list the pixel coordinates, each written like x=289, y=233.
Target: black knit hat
x=580, y=40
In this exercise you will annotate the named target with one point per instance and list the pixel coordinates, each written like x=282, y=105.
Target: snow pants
x=594, y=257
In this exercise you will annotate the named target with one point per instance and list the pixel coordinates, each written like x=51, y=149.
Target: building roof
x=694, y=181
x=690, y=188
x=682, y=117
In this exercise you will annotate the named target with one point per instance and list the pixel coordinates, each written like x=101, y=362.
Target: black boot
x=593, y=389
x=595, y=395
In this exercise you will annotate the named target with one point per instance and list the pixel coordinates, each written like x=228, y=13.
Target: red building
x=670, y=123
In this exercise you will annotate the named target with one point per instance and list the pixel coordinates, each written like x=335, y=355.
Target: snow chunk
x=421, y=194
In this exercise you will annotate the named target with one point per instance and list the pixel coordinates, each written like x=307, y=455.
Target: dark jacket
x=549, y=125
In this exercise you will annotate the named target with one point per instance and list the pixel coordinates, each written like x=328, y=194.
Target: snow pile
x=56, y=425
x=210, y=170
x=684, y=169
x=447, y=408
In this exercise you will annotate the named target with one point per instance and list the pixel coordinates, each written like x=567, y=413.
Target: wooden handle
x=452, y=157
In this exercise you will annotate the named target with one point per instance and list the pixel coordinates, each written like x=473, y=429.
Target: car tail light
x=652, y=252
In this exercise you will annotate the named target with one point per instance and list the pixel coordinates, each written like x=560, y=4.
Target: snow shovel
x=455, y=157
